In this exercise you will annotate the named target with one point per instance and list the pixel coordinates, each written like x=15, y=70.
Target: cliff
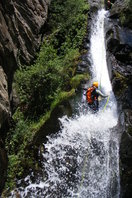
x=21, y=31
x=119, y=58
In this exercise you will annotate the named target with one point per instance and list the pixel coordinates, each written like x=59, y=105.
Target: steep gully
x=82, y=160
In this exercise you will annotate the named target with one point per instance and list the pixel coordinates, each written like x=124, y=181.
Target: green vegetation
x=121, y=83
x=129, y=130
x=39, y=84
x=46, y=83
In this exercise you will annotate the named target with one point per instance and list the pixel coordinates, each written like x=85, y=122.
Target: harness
x=90, y=95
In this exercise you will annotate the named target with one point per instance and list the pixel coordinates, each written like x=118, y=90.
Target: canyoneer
x=109, y=4
x=92, y=96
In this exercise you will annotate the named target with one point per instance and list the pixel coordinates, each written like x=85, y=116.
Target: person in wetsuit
x=92, y=96
x=108, y=4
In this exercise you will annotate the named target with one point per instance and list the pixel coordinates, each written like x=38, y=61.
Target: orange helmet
x=96, y=84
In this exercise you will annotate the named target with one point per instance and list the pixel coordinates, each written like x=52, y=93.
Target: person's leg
x=90, y=107
x=96, y=106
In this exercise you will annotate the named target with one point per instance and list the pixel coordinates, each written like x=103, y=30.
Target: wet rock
x=123, y=56
x=84, y=65
x=4, y=98
x=86, y=58
x=95, y=5
x=113, y=45
x=53, y=124
x=117, y=8
x=119, y=59
x=119, y=44
x=122, y=10
x=126, y=160
x=3, y=165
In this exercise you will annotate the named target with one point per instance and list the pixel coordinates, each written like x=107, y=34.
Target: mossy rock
x=77, y=79
x=120, y=83
x=129, y=130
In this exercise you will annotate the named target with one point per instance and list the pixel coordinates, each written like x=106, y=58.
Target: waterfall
x=82, y=160
x=98, y=52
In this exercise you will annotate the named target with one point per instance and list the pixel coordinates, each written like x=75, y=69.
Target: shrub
x=39, y=84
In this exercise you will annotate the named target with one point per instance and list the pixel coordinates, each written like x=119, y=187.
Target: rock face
x=4, y=98
x=95, y=5
x=21, y=31
x=119, y=58
x=3, y=165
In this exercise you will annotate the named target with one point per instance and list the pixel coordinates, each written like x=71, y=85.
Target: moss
x=119, y=76
x=62, y=96
x=129, y=130
x=76, y=80
x=122, y=18
x=35, y=127
x=120, y=83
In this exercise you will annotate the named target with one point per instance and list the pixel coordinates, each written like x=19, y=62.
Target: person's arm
x=101, y=94
x=85, y=91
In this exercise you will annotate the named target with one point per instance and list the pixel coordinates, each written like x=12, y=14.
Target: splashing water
x=82, y=161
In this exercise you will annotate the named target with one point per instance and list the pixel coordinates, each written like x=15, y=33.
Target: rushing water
x=82, y=160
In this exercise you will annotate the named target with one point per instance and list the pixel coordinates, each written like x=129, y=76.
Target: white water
x=82, y=160
x=98, y=53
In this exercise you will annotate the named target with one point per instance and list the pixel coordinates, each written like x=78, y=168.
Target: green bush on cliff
x=39, y=84
x=69, y=18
